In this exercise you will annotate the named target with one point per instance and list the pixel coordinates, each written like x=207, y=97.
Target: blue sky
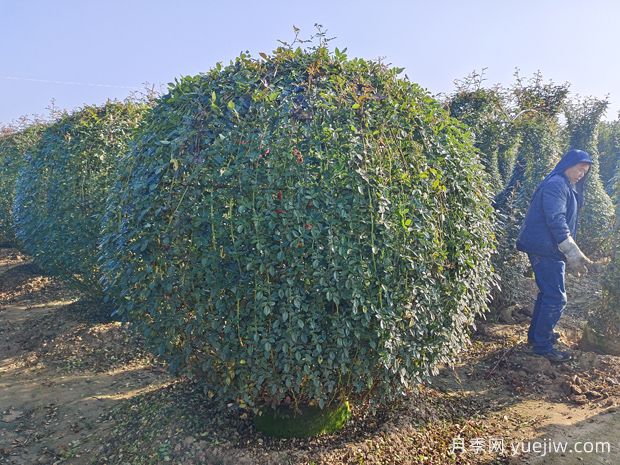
x=66, y=49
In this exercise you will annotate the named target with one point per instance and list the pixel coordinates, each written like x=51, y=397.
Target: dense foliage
x=305, y=227
x=611, y=282
x=603, y=330
x=609, y=152
x=596, y=218
x=13, y=146
x=536, y=121
x=62, y=188
x=487, y=113
x=301, y=226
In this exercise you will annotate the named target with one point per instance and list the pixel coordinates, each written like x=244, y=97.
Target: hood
x=571, y=158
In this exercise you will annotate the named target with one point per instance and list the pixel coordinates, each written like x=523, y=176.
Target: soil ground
x=77, y=388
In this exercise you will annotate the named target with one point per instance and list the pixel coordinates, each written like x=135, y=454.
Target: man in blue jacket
x=547, y=236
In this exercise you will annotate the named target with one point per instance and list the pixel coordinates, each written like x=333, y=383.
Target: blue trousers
x=550, y=302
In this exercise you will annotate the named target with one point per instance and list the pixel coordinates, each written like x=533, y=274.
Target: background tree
x=535, y=120
x=596, y=218
x=486, y=112
x=602, y=332
x=15, y=142
x=62, y=188
x=609, y=152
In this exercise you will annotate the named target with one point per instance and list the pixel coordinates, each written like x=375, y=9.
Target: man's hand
x=575, y=259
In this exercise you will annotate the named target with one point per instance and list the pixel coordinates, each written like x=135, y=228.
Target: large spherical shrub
x=301, y=226
x=62, y=188
x=13, y=146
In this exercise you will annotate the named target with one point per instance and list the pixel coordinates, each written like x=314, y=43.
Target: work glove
x=575, y=258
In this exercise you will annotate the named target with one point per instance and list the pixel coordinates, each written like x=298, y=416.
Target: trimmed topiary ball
x=63, y=185
x=300, y=228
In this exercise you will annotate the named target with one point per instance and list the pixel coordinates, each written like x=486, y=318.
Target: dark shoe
x=555, y=356
x=554, y=338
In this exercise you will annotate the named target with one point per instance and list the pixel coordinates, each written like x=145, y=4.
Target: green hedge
x=302, y=225
x=603, y=330
x=13, y=147
x=596, y=219
x=487, y=113
x=61, y=191
x=609, y=150
x=536, y=123
x=611, y=281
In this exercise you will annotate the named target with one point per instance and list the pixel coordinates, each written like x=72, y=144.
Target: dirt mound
x=588, y=378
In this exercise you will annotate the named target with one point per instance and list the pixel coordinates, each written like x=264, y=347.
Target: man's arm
x=554, y=200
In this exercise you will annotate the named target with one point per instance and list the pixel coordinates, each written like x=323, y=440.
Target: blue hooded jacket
x=554, y=210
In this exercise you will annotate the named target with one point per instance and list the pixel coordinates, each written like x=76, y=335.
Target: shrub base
x=311, y=421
